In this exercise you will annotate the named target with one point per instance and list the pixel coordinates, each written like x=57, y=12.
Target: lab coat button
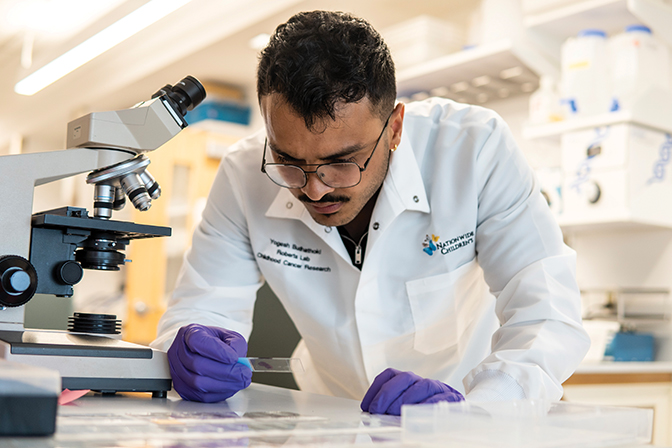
x=416, y=199
x=290, y=205
x=327, y=229
x=376, y=226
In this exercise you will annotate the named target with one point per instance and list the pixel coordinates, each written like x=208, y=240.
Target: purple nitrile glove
x=393, y=388
x=203, y=363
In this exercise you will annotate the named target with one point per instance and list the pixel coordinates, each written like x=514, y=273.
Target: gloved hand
x=203, y=363
x=393, y=388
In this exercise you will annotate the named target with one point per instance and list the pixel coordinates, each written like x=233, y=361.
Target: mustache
x=324, y=199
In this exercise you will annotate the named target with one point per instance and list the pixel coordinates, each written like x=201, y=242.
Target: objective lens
x=103, y=200
x=151, y=184
x=119, y=199
x=136, y=191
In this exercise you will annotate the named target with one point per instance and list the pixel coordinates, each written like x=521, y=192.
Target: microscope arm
x=20, y=175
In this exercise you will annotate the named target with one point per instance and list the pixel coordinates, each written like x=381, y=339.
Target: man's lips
x=325, y=209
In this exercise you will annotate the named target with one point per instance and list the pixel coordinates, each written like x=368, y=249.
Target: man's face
x=351, y=137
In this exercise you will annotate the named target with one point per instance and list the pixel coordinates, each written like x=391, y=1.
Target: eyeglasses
x=334, y=174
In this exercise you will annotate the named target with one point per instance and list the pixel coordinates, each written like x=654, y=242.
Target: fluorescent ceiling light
x=119, y=31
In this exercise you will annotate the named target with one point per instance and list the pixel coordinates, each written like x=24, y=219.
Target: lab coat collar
x=285, y=205
x=402, y=190
x=404, y=182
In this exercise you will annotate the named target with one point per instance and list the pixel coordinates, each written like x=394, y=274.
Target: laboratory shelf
x=533, y=54
x=512, y=65
x=555, y=130
x=611, y=16
x=653, y=110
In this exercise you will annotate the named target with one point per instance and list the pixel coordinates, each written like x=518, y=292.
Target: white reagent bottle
x=639, y=61
x=585, y=74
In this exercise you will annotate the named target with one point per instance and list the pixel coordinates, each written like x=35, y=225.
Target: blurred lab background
x=584, y=84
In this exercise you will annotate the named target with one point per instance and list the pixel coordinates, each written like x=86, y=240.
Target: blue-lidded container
x=628, y=347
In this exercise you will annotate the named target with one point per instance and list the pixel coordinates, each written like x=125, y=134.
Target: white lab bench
x=257, y=416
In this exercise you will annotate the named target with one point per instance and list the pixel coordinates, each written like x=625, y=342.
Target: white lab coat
x=494, y=311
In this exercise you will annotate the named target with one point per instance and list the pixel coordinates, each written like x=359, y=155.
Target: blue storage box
x=631, y=347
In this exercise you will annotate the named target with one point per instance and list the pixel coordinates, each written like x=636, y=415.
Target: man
x=408, y=240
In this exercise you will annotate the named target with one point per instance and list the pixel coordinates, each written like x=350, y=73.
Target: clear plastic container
x=421, y=39
x=638, y=61
x=525, y=423
x=545, y=104
x=585, y=74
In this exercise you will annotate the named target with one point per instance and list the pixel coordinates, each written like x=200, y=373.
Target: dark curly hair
x=318, y=59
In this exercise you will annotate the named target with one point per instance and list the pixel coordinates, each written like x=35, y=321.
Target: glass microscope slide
x=277, y=365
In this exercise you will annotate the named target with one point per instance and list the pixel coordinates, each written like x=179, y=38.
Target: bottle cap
x=592, y=32
x=638, y=28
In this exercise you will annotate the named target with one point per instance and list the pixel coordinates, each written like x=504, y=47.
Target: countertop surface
x=266, y=416
x=257, y=416
x=607, y=367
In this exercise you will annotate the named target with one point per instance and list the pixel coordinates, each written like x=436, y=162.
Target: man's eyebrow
x=339, y=155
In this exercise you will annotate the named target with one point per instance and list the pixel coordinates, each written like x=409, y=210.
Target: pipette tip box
x=28, y=399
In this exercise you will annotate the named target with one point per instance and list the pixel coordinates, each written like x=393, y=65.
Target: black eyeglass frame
x=318, y=165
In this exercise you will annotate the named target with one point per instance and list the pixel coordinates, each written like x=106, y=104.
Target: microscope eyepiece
x=185, y=95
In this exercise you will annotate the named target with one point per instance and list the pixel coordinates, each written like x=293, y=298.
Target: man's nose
x=315, y=189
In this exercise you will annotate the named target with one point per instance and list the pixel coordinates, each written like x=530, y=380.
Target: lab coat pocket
x=444, y=306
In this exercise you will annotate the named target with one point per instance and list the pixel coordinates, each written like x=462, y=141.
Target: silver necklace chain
x=358, y=247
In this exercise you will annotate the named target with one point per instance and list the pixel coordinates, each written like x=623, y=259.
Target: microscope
x=47, y=252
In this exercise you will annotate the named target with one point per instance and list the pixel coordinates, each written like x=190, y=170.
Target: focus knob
x=70, y=272
x=18, y=280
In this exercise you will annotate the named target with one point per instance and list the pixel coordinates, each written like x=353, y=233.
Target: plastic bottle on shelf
x=545, y=103
x=585, y=74
x=639, y=61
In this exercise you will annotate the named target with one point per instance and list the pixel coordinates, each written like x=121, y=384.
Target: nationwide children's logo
x=428, y=245
x=432, y=244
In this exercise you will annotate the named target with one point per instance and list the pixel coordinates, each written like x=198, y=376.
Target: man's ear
x=396, y=125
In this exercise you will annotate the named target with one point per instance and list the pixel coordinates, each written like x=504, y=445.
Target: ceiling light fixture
x=96, y=45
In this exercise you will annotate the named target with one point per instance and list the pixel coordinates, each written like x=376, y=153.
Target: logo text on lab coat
x=431, y=245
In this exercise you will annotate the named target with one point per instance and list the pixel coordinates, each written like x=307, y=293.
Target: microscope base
x=86, y=361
